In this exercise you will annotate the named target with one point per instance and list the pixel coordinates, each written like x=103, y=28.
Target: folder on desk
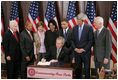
x=43, y=63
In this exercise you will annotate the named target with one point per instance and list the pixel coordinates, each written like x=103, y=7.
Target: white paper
x=43, y=63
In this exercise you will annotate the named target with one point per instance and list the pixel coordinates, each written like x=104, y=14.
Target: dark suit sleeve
x=94, y=43
x=46, y=42
x=22, y=45
x=65, y=55
x=73, y=38
x=6, y=44
x=108, y=44
x=91, y=39
x=48, y=56
x=69, y=41
x=58, y=33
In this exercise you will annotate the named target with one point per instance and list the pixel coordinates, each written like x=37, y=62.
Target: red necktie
x=15, y=36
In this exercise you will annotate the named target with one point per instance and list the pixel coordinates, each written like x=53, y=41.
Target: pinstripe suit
x=102, y=47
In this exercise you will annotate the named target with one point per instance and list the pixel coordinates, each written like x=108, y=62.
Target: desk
x=64, y=71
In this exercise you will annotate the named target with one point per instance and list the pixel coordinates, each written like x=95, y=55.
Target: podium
x=65, y=71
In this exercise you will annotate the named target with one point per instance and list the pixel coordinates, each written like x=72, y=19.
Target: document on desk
x=43, y=63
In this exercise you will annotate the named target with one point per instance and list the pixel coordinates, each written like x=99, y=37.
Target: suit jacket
x=68, y=37
x=102, y=45
x=26, y=43
x=50, y=39
x=37, y=42
x=86, y=40
x=67, y=43
x=11, y=46
x=63, y=57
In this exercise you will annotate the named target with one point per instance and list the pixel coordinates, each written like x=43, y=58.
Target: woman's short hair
x=39, y=24
x=53, y=22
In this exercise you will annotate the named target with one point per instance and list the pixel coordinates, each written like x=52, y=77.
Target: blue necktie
x=65, y=34
x=80, y=32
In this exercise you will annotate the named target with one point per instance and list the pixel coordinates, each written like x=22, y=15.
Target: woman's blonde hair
x=40, y=24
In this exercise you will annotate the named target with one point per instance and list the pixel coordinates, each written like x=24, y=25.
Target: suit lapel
x=17, y=35
x=101, y=33
x=68, y=31
x=77, y=33
x=82, y=35
x=62, y=34
x=12, y=36
x=28, y=35
x=55, y=51
x=95, y=34
x=61, y=53
x=67, y=34
x=32, y=35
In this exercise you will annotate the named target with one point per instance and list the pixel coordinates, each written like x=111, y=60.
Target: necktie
x=30, y=35
x=80, y=32
x=65, y=33
x=15, y=36
x=57, y=54
x=98, y=32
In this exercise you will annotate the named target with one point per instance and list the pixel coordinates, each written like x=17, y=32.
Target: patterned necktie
x=30, y=35
x=65, y=33
x=57, y=54
x=80, y=32
x=15, y=36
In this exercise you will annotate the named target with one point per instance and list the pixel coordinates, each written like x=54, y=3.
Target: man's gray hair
x=12, y=23
x=81, y=16
x=99, y=20
x=61, y=38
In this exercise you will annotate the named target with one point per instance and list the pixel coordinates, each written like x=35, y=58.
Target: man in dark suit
x=27, y=48
x=11, y=48
x=103, y=44
x=57, y=53
x=66, y=32
x=82, y=41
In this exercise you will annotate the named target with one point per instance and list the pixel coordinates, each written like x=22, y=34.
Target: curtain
x=102, y=8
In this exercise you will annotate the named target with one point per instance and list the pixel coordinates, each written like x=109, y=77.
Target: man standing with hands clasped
x=82, y=41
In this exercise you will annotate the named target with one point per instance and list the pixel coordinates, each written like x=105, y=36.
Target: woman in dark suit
x=50, y=35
